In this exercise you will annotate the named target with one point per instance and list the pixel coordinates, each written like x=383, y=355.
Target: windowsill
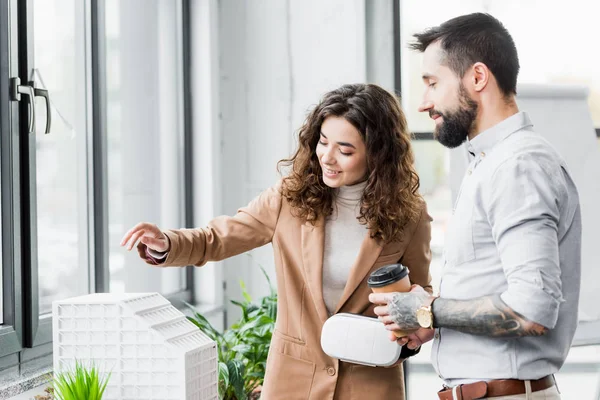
x=19, y=379
x=31, y=394
x=35, y=374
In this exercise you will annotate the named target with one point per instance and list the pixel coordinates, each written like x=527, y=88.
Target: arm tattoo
x=403, y=309
x=485, y=316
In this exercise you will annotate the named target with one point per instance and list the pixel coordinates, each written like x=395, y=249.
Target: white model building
x=148, y=346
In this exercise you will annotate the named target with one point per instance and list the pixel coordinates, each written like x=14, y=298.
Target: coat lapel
x=313, y=242
x=367, y=256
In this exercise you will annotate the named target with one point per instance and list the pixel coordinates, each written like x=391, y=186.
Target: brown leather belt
x=495, y=388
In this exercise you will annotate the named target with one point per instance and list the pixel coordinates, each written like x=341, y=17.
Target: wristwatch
x=425, y=315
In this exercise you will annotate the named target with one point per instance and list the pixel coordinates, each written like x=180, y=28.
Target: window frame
x=11, y=330
x=26, y=336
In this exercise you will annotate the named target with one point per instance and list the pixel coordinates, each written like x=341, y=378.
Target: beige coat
x=297, y=367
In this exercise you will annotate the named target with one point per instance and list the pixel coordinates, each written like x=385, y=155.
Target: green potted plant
x=81, y=383
x=243, y=348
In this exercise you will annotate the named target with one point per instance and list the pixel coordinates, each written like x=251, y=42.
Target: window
x=11, y=332
x=61, y=158
x=432, y=164
x=546, y=54
x=111, y=81
x=1, y=243
x=145, y=135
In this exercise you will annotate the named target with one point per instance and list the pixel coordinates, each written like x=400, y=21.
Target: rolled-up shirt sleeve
x=523, y=201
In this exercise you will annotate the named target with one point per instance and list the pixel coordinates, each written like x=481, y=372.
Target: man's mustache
x=435, y=112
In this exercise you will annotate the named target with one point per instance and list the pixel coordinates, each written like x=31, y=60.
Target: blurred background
x=175, y=111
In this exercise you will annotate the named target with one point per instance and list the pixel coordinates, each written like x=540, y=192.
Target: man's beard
x=457, y=125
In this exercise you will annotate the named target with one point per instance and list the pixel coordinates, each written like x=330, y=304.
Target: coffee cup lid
x=387, y=275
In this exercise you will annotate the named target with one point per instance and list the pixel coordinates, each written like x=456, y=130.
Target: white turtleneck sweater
x=343, y=238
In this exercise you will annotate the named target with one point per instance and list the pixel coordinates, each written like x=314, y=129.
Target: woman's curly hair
x=391, y=199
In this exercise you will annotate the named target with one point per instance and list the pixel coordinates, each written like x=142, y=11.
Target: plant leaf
x=236, y=373
x=252, y=308
x=273, y=291
x=201, y=322
x=243, y=307
x=253, y=324
x=242, y=348
x=80, y=383
x=265, y=330
x=223, y=379
x=245, y=292
x=230, y=338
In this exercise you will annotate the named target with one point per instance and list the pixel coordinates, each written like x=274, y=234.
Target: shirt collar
x=487, y=139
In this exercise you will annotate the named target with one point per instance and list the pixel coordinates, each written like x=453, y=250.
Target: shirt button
x=482, y=154
x=331, y=371
x=437, y=336
x=469, y=172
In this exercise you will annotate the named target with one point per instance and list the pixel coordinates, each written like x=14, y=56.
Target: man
x=507, y=309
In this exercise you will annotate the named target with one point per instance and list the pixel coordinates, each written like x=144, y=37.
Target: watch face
x=424, y=318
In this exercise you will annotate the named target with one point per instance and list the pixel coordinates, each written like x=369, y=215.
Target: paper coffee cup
x=391, y=278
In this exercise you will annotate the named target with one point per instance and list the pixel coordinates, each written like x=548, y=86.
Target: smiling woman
x=349, y=205
x=342, y=153
x=390, y=199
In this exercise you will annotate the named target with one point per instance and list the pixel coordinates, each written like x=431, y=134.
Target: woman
x=348, y=206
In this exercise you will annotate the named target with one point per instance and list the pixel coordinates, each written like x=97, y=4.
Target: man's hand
x=398, y=310
x=414, y=340
x=149, y=235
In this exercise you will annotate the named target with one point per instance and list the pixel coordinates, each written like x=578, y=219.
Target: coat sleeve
x=226, y=236
x=417, y=255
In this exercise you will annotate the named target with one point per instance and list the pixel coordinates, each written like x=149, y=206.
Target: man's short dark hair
x=475, y=38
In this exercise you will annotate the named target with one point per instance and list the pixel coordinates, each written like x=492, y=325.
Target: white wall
x=380, y=43
x=204, y=57
x=145, y=104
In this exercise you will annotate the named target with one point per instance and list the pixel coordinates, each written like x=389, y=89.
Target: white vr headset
x=359, y=339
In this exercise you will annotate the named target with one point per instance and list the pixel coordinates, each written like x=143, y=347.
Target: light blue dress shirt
x=515, y=230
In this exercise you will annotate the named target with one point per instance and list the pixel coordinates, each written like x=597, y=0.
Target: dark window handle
x=30, y=90
x=44, y=93
x=15, y=94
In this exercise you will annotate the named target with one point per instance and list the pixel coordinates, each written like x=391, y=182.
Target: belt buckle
x=457, y=392
x=444, y=390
